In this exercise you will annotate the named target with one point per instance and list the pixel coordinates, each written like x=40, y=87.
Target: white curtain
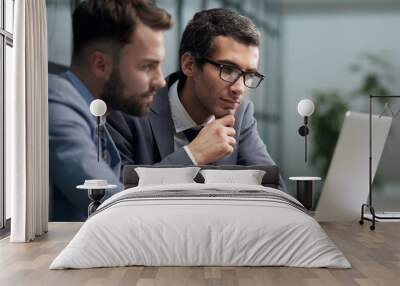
x=27, y=124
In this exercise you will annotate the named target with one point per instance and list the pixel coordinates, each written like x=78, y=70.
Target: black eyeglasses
x=231, y=74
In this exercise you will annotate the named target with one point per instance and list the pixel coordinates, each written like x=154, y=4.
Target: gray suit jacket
x=150, y=140
x=72, y=151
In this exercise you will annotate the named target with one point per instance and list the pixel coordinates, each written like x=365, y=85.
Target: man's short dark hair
x=113, y=21
x=205, y=25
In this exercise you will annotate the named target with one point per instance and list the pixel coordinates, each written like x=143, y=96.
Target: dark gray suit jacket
x=150, y=140
x=73, y=151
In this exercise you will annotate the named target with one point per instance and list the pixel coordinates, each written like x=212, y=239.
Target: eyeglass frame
x=242, y=72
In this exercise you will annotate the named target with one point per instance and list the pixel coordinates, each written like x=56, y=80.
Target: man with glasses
x=202, y=116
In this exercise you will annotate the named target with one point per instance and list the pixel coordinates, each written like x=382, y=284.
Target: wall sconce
x=98, y=108
x=305, y=108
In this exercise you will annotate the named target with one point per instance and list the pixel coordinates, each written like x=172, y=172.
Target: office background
x=307, y=46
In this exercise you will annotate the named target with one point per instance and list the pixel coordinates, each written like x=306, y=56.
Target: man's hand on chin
x=215, y=141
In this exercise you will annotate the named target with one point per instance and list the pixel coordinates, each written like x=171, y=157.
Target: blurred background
x=335, y=52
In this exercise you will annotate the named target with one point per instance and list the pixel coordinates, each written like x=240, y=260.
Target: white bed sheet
x=200, y=231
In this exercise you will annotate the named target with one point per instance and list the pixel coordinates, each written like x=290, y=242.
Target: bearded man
x=118, y=47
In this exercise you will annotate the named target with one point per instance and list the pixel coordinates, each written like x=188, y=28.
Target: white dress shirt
x=182, y=121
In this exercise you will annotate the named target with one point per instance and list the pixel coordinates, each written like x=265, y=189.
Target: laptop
x=346, y=185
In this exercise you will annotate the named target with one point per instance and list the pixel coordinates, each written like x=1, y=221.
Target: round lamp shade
x=305, y=107
x=98, y=107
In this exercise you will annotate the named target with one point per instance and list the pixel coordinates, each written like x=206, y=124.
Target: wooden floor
x=374, y=255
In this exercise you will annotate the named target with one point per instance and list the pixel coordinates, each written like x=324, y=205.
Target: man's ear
x=188, y=64
x=101, y=65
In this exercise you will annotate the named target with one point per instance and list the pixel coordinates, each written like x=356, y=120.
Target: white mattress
x=182, y=231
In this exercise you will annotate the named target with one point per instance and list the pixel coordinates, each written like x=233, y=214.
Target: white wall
x=319, y=46
x=59, y=32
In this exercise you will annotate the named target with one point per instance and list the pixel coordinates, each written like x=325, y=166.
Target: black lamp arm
x=98, y=137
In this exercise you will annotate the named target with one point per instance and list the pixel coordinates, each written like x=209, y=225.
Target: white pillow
x=248, y=177
x=163, y=176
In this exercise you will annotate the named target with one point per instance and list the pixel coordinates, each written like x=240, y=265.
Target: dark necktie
x=191, y=133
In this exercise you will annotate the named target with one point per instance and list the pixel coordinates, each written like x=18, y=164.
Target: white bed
x=135, y=228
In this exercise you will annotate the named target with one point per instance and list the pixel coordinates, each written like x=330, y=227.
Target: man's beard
x=113, y=95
